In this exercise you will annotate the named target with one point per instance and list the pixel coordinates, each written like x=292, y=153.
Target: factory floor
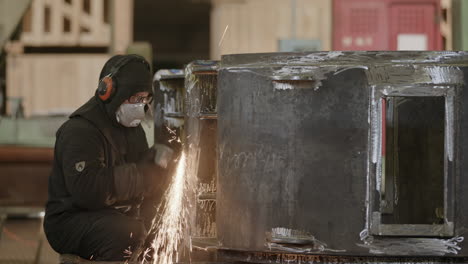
x=23, y=242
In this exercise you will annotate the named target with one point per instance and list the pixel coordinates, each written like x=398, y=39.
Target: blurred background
x=51, y=53
x=70, y=40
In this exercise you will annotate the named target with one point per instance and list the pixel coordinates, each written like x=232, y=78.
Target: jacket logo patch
x=80, y=166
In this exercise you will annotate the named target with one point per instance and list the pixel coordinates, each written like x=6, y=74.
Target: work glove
x=157, y=166
x=163, y=156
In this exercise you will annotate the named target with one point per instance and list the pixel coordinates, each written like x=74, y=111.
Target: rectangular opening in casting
x=412, y=160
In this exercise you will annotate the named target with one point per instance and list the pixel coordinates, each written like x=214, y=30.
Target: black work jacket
x=95, y=165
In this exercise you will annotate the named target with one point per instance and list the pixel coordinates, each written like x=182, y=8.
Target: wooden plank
x=258, y=25
x=446, y=25
x=215, y=31
x=13, y=78
x=37, y=23
x=56, y=22
x=284, y=13
x=122, y=25
x=74, y=81
x=244, y=28
x=97, y=32
x=75, y=17
x=230, y=38
x=97, y=26
x=71, y=12
x=97, y=13
x=314, y=22
x=41, y=95
x=284, y=17
x=14, y=47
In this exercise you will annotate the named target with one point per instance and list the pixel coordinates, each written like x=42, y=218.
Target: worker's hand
x=157, y=166
x=158, y=154
x=155, y=178
x=164, y=155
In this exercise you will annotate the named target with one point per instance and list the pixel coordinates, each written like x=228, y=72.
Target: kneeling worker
x=103, y=169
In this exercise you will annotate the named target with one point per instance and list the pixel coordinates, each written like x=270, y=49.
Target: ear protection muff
x=107, y=86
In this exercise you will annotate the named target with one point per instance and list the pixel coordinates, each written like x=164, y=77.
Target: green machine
x=460, y=24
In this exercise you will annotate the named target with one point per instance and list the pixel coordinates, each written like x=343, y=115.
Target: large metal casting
x=343, y=153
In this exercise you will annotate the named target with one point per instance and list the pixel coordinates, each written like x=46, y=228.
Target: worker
x=103, y=168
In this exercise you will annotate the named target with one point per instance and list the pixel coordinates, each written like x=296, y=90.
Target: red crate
x=386, y=25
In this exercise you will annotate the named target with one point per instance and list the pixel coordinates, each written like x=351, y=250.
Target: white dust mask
x=130, y=115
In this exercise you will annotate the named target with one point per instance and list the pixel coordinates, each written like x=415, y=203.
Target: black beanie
x=132, y=78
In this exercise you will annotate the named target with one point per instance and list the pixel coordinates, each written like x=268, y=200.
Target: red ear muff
x=105, y=88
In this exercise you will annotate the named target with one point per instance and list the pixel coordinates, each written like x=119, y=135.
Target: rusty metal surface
x=299, y=148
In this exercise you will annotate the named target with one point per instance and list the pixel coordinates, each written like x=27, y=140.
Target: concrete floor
x=22, y=242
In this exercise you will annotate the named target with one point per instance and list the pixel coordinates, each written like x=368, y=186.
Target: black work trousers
x=106, y=235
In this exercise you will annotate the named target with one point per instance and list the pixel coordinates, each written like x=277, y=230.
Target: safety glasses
x=140, y=99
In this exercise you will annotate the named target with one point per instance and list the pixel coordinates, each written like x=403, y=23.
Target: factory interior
x=233, y=131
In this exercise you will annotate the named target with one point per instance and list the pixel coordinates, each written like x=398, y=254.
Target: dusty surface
x=20, y=242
